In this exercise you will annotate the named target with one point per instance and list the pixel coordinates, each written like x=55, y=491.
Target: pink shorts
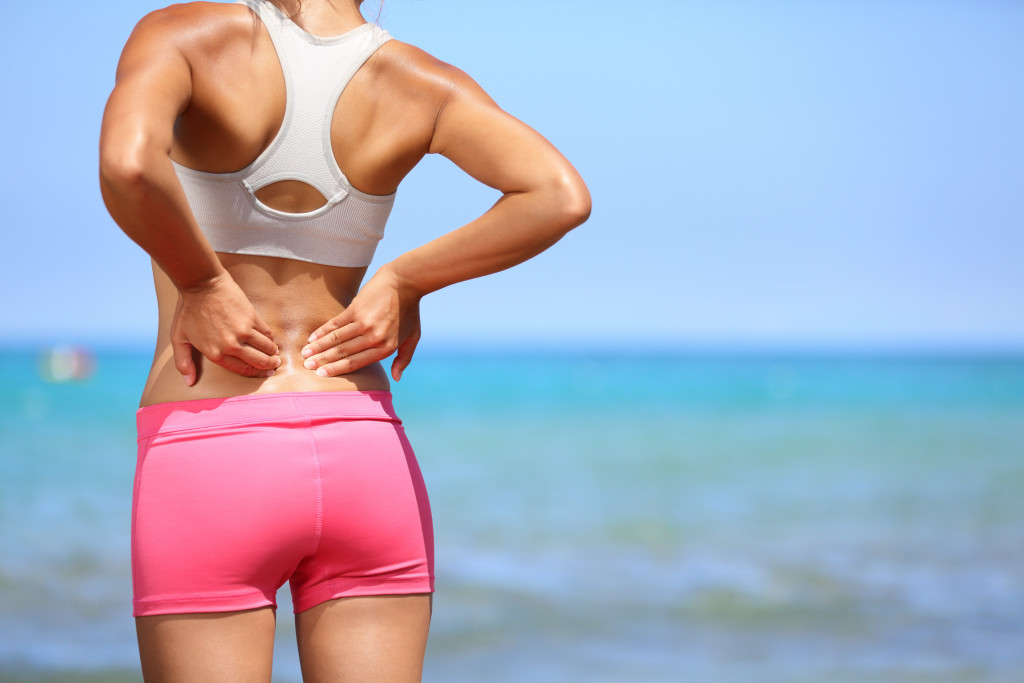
x=235, y=496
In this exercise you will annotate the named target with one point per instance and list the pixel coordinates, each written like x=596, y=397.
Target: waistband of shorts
x=264, y=409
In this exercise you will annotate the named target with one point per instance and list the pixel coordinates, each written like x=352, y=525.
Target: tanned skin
x=200, y=83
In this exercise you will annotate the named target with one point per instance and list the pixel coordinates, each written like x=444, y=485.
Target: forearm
x=145, y=199
x=384, y=316
x=518, y=227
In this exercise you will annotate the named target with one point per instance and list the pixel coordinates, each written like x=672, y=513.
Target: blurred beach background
x=760, y=419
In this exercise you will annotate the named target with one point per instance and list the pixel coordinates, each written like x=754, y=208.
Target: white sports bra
x=344, y=231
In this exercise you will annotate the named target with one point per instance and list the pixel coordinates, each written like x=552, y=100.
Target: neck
x=322, y=17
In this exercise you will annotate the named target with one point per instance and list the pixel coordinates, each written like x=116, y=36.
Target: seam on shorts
x=371, y=415
x=350, y=582
x=200, y=597
x=163, y=430
x=363, y=587
x=318, y=496
x=246, y=398
x=205, y=596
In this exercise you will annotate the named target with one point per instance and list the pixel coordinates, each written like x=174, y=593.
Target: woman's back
x=201, y=85
x=381, y=126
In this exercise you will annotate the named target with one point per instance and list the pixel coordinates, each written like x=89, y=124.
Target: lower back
x=294, y=298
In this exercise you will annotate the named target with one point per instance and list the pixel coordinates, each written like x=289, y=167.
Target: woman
x=253, y=151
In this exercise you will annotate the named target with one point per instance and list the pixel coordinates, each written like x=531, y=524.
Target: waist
x=266, y=409
x=293, y=298
x=165, y=384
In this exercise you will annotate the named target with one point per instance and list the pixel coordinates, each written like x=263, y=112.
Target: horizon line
x=589, y=347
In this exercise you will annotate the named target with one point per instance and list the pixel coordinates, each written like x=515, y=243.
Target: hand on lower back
x=220, y=322
x=382, y=318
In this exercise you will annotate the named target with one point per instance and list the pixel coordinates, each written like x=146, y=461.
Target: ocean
x=650, y=517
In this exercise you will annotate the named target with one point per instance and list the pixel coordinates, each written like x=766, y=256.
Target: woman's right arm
x=543, y=197
x=144, y=197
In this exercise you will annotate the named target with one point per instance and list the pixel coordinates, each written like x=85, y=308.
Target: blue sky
x=765, y=174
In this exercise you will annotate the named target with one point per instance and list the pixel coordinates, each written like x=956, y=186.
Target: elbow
x=573, y=202
x=121, y=167
x=578, y=207
x=127, y=162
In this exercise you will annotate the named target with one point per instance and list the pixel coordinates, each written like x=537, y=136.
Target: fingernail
x=277, y=364
x=268, y=373
x=312, y=337
x=310, y=364
x=322, y=372
x=307, y=352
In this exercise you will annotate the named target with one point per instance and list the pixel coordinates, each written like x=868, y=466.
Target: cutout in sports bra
x=345, y=230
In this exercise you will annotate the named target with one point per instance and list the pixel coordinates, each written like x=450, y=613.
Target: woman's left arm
x=543, y=197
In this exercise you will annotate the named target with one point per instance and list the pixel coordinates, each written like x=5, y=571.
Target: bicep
x=491, y=145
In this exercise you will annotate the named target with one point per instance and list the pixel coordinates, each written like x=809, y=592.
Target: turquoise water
x=606, y=518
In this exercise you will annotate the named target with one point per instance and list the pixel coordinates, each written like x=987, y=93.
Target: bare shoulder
x=193, y=25
x=191, y=15
x=418, y=75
